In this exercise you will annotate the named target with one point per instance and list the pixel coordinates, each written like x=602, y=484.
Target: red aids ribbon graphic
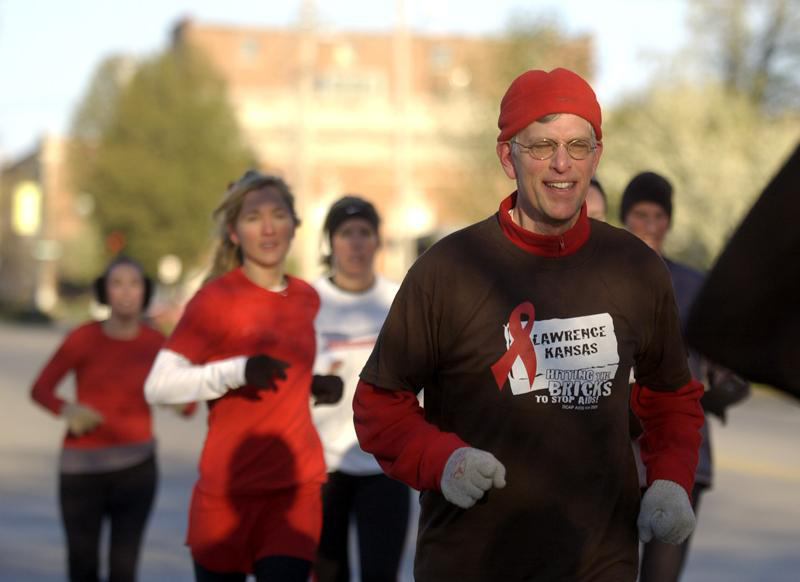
x=521, y=346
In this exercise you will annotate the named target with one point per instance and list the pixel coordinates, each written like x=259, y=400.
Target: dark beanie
x=350, y=207
x=646, y=187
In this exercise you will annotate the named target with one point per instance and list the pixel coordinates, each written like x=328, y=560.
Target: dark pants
x=125, y=498
x=380, y=506
x=663, y=562
x=267, y=569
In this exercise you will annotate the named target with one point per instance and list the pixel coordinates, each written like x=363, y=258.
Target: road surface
x=749, y=524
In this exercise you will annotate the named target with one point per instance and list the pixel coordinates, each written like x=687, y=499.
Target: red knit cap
x=535, y=94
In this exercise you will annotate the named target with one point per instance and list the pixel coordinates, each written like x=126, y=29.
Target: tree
x=83, y=253
x=752, y=46
x=718, y=149
x=96, y=110
x=156, y=153
x=720, y=139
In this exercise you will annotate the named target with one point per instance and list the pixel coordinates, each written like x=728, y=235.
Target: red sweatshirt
x=109, y=377
x=258, y=439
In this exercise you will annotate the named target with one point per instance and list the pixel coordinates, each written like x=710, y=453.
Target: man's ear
x=598, y=153
x=506, y=161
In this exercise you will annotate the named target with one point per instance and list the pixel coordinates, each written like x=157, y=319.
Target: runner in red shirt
x=107, y=469
x=246, y=345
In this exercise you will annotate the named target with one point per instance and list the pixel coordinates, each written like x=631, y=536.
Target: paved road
x=749, y=525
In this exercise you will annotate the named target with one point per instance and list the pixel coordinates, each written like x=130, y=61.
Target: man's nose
x=651, y=224
x=561, y=160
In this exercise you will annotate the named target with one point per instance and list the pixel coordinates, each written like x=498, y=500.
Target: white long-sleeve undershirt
x=175, y=380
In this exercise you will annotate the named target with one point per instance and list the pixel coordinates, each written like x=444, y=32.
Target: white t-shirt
x=347, y=326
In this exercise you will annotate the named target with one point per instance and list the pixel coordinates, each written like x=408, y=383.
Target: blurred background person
x=107, y=469
x=245, y=344
x=354, y=303
x=596, y=203
x=646, y=211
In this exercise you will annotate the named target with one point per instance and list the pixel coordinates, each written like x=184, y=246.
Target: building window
x=347, y=83
x=440, y=58
x=249, y=48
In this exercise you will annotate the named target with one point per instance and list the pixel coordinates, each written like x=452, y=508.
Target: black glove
x=326, y=389
x=262, y=371
x=725, y=389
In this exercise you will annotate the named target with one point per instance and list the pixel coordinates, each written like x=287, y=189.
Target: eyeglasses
x=544, y=149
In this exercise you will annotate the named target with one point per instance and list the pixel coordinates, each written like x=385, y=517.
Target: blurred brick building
x=385, y=115
x=377, y=114
x=38, y=217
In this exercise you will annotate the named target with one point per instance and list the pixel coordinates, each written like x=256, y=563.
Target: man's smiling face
x=551, y=192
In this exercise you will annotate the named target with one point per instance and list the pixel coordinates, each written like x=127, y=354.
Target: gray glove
x=665, y=513
x=468, y=474
x=80, y=418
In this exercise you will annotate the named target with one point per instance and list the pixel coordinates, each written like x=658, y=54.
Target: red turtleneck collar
x=543, y=244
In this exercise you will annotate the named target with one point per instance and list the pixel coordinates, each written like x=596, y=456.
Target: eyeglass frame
x=557, y=144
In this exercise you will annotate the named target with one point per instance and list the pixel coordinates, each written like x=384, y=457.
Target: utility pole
x=304, y=164
x=401, y=57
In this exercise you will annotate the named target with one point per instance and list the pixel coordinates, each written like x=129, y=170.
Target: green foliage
x=158, y=155
x=719, y=140
x=93, y=115
x=718, y=149
x=96, y=110
x=719, y=143
x=83, y=258
x=751, y=46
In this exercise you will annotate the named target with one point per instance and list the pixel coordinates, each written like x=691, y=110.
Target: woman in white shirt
x=354, y=302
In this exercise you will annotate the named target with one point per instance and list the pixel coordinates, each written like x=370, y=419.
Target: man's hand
x=261, y=371
x=80, y=419
x=665, y=513
x=326, y=389
x=468, y=474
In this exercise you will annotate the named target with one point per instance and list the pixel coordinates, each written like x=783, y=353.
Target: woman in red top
x=107, y=466
x=245, y=344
